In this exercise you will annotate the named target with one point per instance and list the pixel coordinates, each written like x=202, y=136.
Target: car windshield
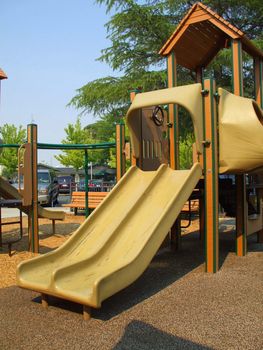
x=21, y=179
x=43, y=177
x=63, y=179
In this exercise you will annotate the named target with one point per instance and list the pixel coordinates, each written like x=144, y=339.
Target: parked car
x=48, y=188
x=66, y=184
x=96, y=185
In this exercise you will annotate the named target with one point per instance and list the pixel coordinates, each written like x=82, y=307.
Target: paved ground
x=12, y=212
x=173, y=305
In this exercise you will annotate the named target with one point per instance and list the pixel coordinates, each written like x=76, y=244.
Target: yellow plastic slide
x=7, y=191
x=116, y=243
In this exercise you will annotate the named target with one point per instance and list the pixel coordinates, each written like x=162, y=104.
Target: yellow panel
x=116, y=243
x=240, y=134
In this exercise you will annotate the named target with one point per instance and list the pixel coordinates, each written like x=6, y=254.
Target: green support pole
x=33, y=211
x=120, y=155
x=211, y=176
x=258, y=83
x=173, y=113
x=174, y=141
x=86, y=184
x=105, y=145
x=241, y=209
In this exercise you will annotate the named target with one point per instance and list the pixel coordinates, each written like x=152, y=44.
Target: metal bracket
x=217, y=97
x=204, y=92
x=206, y=143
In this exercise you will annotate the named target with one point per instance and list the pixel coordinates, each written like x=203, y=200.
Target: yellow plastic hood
x=240, y=134
x=188, y=96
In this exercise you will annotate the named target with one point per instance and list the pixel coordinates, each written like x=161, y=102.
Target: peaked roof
x=200, y=35
x=2, y=74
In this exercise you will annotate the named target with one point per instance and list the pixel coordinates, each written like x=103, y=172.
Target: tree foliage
x=137, y=30
x=10, y=134
x=186, y=151
x=109, y=97
x=76, y=134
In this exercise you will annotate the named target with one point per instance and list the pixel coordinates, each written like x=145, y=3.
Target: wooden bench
x=191, y=206
x=78, y=200
x=11, y=203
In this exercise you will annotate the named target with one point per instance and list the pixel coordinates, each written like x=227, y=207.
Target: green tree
x=76, y=134
x=186, y=151
x=10, y=134
x=100, y=132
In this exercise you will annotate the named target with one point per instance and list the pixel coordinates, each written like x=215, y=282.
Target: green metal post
x=86, y=184
x=33, y=211
x=120, y=155
x=211, y=176
x=173, y=141
x=105, y=145
x=241, y=207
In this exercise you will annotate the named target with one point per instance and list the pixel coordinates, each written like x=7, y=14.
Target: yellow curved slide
x=116, y=243
x=7, y=191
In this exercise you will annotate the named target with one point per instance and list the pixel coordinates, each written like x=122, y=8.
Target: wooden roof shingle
x=200, y=35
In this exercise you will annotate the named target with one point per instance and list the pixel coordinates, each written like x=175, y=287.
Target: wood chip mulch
x=47, y=242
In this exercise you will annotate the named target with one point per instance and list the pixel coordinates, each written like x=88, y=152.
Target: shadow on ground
x=166, y=268
x=140, y=335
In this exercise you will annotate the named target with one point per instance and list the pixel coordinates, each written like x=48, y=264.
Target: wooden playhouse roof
x=2, y=74
x=200, y=35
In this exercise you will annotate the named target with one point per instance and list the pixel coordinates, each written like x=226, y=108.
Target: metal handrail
x=104, y=145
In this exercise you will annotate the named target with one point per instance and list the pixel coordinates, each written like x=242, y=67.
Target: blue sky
x=48, y=50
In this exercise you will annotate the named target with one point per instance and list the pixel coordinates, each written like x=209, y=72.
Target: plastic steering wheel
x=158, y=116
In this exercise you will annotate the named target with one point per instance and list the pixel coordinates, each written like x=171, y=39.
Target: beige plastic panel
x=116, y=243
x=188, y=96
x=154, y=147
x=7, y=191
x=50, y=214
x=240, y=134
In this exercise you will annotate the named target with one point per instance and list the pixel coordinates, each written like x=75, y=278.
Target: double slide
x=115, y=244
x=113, y=247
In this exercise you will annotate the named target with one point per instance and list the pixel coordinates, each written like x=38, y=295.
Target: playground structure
x=118, y=240
x=198, y=38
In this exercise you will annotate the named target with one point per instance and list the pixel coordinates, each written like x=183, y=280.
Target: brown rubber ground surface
x=173, y=305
